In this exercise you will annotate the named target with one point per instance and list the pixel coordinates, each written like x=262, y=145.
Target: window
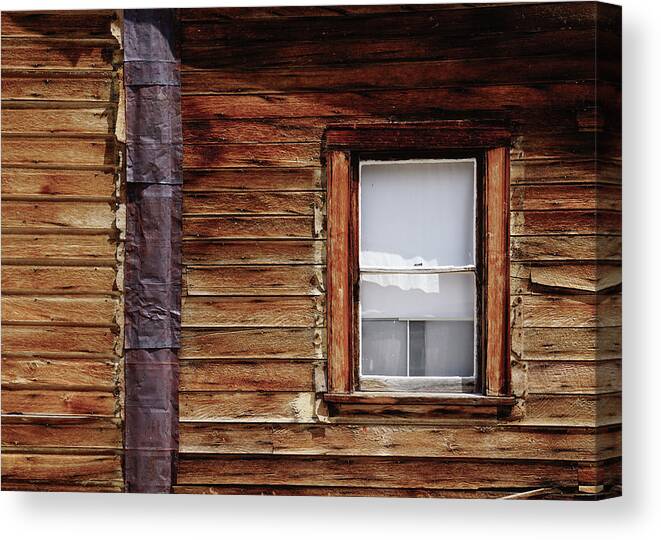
x=418, y=301
x=418, y=273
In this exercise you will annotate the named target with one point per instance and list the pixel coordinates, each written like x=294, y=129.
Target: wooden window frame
x=344, y=147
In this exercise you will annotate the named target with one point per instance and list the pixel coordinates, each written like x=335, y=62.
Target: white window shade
x=418, y=296
x=417, y=273
x=417, y=214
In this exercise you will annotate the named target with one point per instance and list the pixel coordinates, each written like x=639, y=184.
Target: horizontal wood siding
x=260, y=86
x=61, y=305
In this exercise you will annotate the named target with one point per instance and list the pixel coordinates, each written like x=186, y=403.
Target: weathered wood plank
x=40, y=151
x=276, y=150
x=79, y=374
x=58, y=215
x=69, y=249
x=57, y=183
x=56, y=86
x=290, y=311
x=566, y=197
x=288, y=130
x=389, y=75
x=73, y=24
x=282, y=12
x=231, y=252
x=574, y=377
x=305, y=491
x=542, y=222
x=62, y=432
x=566, y=247
x=259, y=130
x=253, y=203
x=62, y=469
x=544, y=311
x=94, y=121
x=374, y=472
x=584, y=277
x=247, y=406
x=567, y=343
x=253, y=343
x=570, y=410
x=36, y=340
x=436, y=47
x=550, y=98
x=246, y=376
x=455, y=22
x=251, y=155
x=42, y=54
x=566, y=171
x=255, y=280
x=249, y=227
x=81, y=311
x=253, y=179
x=396, y=440
x=58, y=402
x=57, y=280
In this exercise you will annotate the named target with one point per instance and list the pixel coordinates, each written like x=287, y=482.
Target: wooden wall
x=61, y=310
x=260, y=85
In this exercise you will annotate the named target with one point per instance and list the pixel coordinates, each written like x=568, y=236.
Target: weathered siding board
x=268, y=311
x=74, y=374
x=254, y=280
x=372, y=472
x=253, y=343
x=251, y=179
x=70, y=280
x=64, y=184
x=91, y=89
x=395, y=440
x=43, y=472
x=61, y=365
x=62, y=432
x=247, y=375
x=260, y=86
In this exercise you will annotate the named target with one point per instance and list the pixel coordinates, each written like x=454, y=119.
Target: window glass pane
x=383, y=347
x=441, y=348
x=418, y=296
x=417, y=214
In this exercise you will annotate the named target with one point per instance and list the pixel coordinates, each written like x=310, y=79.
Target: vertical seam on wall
x=152, y=286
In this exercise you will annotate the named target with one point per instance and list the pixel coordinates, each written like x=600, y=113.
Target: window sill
x=384, y=398
x=419, y=407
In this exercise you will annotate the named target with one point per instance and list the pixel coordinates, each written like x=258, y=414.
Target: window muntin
x=418, y=293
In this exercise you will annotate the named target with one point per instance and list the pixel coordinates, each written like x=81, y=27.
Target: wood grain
x=58, y=339
x=57, y=215
x=388, y=440
x=19, y=432
x=85, y=470
x=271, y=311
x=55, y=86
x=254, y=252
x=57, y=280
x=47, y=402
x=244, y=375
x=340, y=298
x=253, y=343
x=45, y=183
x=73, y=374
x=247, y=406
x=255, y=280
x=372, y=472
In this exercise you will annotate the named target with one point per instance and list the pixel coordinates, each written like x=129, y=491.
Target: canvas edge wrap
x=154, y=147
